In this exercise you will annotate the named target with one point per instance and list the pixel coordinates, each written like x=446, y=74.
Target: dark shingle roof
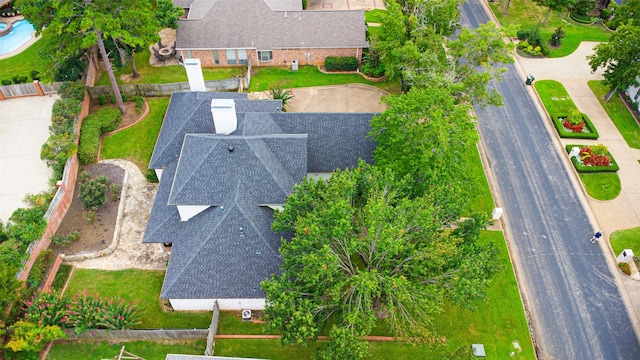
x=207, y=171
x=336, y=140
x=190, y=113
x=252, y=24
x=217, y=260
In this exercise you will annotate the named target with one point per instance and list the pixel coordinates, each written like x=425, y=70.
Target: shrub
x=139, y=103
x=522, y=34
x=26, y=225
x=372, y=66
x=6, y=82
x=605, y=14
x=583, y=7
x=115, y=189
x=40, y=200
x=104, y=120
x=304, y=4
x=27, y=339
x=278, y=92
x=84, y=176
x=583, y=19
x=72, y=90
x=23, y=79
x=93, y=192
x=35, y=75
x=125, y=98
x=625, y=268
x=112, y=98
x=57, y=149
x=64, y=240
x=102, y=99
x=67, y=108
x=557, y=36
x=89, y=216
x=40, y=268
x=151, y=176
x=341, y=63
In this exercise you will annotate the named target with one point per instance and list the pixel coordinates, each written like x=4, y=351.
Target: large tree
x=420, y=55
x=426, y=137
x=72, y=26
x=364, y=251
x=620, y=58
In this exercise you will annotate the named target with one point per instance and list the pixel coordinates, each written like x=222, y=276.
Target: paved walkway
x=345, y=4
x=622, y=212
x=24, y=127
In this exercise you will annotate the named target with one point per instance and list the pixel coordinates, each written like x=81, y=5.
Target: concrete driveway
x=338, y=98
x=24, y=127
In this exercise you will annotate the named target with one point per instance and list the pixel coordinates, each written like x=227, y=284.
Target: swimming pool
x=3, y=25
x=20, y=34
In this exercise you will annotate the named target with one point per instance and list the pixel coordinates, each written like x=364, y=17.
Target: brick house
x=267, y=33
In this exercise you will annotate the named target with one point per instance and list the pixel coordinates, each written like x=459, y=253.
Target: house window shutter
x=189, y=54
x=216, y=58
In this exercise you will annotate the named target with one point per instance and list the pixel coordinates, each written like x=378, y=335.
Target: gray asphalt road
x=574, y=304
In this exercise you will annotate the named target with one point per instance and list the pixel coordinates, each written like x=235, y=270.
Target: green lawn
x=625, y=239
x=68, y=350
x=481, y=200
x=134, y=285
x=306, y=76
x=137, y=142
x=374, y=15
x=21, y=64
x=554, y=97
x=618, y=113
x=165, y=74
x=523, y=14
x=601, y=186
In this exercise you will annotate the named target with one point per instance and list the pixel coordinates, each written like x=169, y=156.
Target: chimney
x=224, y=115
x=194, y=74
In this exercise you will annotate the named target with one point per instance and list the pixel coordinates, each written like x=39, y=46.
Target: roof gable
x=211, y=165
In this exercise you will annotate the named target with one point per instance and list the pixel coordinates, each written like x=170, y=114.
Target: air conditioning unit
x=246, y=315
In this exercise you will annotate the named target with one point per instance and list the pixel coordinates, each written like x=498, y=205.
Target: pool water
x=3, y=25
x=20, y=34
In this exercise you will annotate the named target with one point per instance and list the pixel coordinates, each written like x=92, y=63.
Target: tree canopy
x=619, y=57
x=363, y=250
x=414, y=48
x=551, y=5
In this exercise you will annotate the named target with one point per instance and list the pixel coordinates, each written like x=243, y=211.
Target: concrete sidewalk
x=623, y=212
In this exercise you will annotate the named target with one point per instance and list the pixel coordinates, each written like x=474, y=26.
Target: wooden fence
x=147, y=90
x=157, y=334
x=213, y=329
x=35, y=88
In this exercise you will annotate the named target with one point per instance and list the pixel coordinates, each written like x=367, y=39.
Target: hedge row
x=592, y=169
x=341, y=63
x=564, y=133
x=583, y=19
x=94, y=125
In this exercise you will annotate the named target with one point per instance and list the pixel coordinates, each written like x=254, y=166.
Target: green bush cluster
x=39, y=269
x=592, y=169
x=81, y=312
x=94, y=125
x=372, y=66
x=72, y=90
x=93, y=193
x=21, y=79
x=532, y=42
x=61, y=145
x=563, y=133
x=139, y=103
x=583, y=19
x=341, y=63
x=64, y=240
x=25, y=225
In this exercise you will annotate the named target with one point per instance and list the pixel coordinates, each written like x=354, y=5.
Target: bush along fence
x=36, y=88
x=65, y=187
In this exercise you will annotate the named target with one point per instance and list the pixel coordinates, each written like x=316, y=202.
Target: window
x=231, y=56
x=216, y=59
x=265, y=56
x=189, y=54
x=242, y=56
x=637, y=95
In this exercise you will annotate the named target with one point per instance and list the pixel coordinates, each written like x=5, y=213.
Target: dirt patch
x=129, y=117
x=99, y=234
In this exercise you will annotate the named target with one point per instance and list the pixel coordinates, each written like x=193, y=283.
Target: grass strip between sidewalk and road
x=618, y=113
x=601, y=186
x=625, y=239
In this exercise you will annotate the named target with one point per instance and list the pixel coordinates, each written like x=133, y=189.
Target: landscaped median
x=597, y=169
x=567, y=119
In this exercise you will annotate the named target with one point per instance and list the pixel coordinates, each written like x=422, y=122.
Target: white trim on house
x=159, y=174
x=188, y=211
x=316, y=176
x=223, y=304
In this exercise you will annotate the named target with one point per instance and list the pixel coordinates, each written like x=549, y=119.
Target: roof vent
x=258, y=252
x=222, y=208
x=230, y=148
x=241, y=231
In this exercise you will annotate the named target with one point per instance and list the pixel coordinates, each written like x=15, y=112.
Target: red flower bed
x=575, y=128
x=591, y=159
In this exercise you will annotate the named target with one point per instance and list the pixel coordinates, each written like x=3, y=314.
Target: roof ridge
x=280, y=175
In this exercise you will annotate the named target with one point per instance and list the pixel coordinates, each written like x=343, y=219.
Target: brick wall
x=281, y=57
